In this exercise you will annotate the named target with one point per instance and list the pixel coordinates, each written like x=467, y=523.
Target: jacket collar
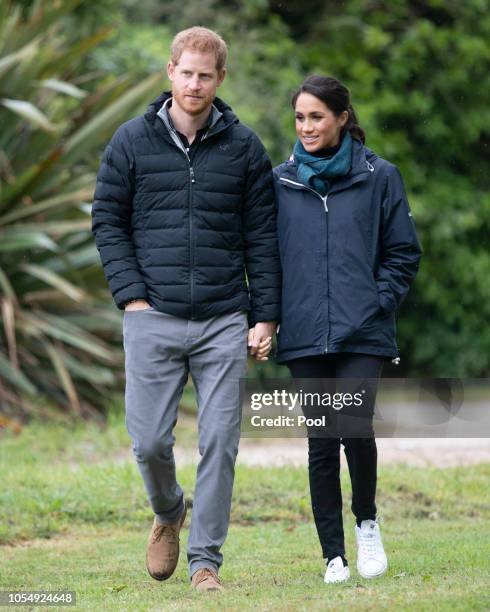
x=164, y=115
x=222, y=115
x=361, y=169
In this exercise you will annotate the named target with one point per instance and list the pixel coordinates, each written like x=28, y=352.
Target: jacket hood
x=153, y=108
x=370, y=154
x=362, y=158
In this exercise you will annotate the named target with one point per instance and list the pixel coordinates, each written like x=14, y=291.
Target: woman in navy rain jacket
x=349, y=253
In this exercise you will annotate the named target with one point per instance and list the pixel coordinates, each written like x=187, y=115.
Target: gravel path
x=436, y=452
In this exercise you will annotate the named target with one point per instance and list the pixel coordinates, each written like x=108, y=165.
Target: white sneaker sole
x=376, y=575
x=339, y=578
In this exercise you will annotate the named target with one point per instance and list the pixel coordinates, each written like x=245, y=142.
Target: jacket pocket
x=385, y=296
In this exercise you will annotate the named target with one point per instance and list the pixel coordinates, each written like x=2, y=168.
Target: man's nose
x=195, y=83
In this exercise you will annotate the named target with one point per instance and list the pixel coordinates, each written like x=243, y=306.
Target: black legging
x=324, y=452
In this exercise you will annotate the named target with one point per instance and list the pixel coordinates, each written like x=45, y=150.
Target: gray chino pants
x=160, y=351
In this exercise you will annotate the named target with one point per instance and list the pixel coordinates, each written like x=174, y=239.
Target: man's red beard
x=192, y=107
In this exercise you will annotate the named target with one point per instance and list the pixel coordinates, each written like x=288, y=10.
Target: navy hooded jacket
x=193, y=233
x=348, y=259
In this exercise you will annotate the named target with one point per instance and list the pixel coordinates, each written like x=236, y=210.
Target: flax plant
x=59, y=332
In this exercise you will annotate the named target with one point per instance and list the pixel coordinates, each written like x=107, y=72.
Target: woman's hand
x=260, y=340
x=263, y=350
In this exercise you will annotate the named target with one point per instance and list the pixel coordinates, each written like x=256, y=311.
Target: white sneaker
x=336, y=572
x=371, y=557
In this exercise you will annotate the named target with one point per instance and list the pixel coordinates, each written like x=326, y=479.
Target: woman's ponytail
x=353, y=126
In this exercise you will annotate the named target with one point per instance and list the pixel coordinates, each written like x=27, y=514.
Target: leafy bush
x=59, y=336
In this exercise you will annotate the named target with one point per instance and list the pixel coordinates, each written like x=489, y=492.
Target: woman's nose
x=307, y=127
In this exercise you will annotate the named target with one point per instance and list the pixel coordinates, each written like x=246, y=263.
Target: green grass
x=73, y=515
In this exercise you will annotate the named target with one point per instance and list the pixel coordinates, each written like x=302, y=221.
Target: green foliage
x=264, y=70
x=83, y=16
x=135, y=49
x=58, y=334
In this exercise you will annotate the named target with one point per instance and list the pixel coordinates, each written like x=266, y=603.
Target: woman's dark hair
x=336, y=97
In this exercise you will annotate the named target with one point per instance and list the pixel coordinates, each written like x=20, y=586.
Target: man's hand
x=137, y=305
x=260, y=340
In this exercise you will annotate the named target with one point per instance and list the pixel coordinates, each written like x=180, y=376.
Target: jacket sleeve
x=260, y=237
x=111, y=222
x=400, y=248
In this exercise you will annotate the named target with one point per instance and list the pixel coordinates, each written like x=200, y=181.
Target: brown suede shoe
x=162, y=553
x=205, y=579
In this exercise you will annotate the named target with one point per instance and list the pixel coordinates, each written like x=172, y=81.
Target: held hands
x=260, y=340
x=137, y=305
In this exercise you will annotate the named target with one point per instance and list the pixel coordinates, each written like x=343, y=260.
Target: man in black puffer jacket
x=184, y=221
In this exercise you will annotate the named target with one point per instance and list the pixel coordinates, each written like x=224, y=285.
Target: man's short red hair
x=199, y=39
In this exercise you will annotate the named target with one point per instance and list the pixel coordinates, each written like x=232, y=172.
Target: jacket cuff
x=136, y=291
x=254, y=318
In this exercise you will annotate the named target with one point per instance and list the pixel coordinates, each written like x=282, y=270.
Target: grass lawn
x=73, y=515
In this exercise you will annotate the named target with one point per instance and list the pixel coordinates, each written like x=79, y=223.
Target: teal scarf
x=315, y=172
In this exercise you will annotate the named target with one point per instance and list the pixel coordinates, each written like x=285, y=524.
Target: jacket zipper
x=191, y=250
x=324, y=200
x=192, y=180
x=178, y=143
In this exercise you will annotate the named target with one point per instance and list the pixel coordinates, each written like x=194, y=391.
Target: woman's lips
x=310, y=140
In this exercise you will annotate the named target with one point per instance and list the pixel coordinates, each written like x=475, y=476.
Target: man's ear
x=221, y=76
x=170, y=70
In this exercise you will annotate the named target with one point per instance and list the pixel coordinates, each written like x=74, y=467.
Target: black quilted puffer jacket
x=194, y=236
